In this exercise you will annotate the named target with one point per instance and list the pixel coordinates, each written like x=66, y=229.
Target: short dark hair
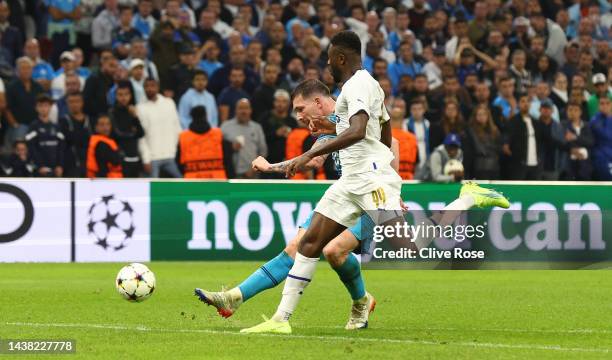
x=198, y=114
x=123, y=8
x=44, y=98
x=348, y=40
x=522, y=94
x=124, y=84
x=309, y=88
x=200, y=72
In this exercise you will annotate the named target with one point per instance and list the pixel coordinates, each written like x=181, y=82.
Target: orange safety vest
x=114, y=171
x=407, y=152
x=294, y=148
x=202, y=154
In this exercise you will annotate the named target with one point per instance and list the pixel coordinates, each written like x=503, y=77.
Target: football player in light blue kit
x=313, y=100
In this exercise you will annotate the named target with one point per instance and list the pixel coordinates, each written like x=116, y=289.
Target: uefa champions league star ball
x=135, y=282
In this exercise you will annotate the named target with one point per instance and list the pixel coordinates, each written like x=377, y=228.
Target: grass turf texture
x=420, y=314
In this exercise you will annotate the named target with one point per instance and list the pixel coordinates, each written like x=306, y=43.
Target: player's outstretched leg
x=321, y=231
x=346, y=265
x=267, y=276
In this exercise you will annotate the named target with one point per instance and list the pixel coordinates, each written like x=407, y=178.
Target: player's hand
x=296, y=164
x=320, y=125
x=260, y=164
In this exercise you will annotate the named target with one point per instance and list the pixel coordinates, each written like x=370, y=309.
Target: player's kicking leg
x=471, y=195
x=266, y=277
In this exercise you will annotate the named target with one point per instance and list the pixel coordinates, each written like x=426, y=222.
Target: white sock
x=453, y=210
x=299, y=277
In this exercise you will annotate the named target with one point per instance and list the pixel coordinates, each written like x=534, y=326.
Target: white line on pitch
x=322, y=338
x=551, y=331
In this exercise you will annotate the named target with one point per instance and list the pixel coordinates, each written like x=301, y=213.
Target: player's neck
x=350, y=72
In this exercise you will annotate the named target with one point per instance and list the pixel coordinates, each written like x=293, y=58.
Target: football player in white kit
x=368, y=181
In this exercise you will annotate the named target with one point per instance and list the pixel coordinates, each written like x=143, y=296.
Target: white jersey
x=363, y=93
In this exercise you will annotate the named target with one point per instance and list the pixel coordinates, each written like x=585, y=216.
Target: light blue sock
x=267, y=276
x=350, y=275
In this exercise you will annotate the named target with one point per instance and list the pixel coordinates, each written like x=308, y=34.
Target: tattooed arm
x=261, y=164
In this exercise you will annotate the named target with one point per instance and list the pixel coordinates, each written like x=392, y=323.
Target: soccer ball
x=135, y=282
x=452, y=165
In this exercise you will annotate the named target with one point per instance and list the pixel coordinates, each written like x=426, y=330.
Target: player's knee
x=334, y=255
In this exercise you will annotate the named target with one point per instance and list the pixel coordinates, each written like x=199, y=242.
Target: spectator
x=545, y=70
x=58, y=85
x=559, y=94
x=76, y=129
x=181, y=74
x=160, y=121
x=505, y=100
x=124, y=33
x=103, y=154
x=451, y=122
x=450, y=89
x=247, y=138
x=276, y=124
x=479, y=26
x=601, y=90
x=20, y=162
x=542, y=95
x=419, y=126
x=263, y=97
x=578, y=142
x=140, y=51
x=552, y=32
x=198, y=96
x=127, y=130
x=521, y=144
x=143, y=20
x=460, y=27
x=97, y=87
x=61, y=25
x=482, y=146
x=433, y=68
x=404, y=65
x=201, y=150
x=520, y=74
x=407, y=142
x=104, y=24
x=572, y=55
x=210, y=52
x=164, y=51
x=294, y=75
x=221, y=77
x=550, y=142
x=11, y=37
x=81, y=70
x=602, y=133
x=231, y=94
x=450, y=149
x=205, y=30
x=42, y=71
x=137, y=78
x=45, y=141
x=21, y=95
x=482, y=96
x=417, y=15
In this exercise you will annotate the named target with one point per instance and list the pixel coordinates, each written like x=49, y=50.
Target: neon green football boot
x=484, y=197
x=269, y=326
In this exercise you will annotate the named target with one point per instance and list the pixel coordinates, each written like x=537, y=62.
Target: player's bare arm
x=262, y=165
x=355, y=133
x=385, y=133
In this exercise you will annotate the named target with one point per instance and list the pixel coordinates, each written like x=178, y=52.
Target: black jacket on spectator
x=126, y=131
x=481, y=156
x=15, y=167
x=516, y=137
x=574, y=169
x=262, y=99
x=46, y=144
x=95, y=94
x=549, y=146
x=12, y=41
x=21, y=102
x=77, y=139
x=220, y=80
x=180, y=80
x=105, y=155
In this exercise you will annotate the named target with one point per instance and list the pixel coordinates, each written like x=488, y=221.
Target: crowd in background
x=476, y=89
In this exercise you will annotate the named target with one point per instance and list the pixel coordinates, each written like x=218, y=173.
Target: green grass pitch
x=420, y=314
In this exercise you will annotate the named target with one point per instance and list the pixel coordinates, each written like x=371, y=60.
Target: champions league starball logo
x=111, y=221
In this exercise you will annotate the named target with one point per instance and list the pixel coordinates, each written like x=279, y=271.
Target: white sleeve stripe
x=31, y=135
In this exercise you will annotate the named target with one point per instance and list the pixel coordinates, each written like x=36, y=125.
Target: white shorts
x=346, y=200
